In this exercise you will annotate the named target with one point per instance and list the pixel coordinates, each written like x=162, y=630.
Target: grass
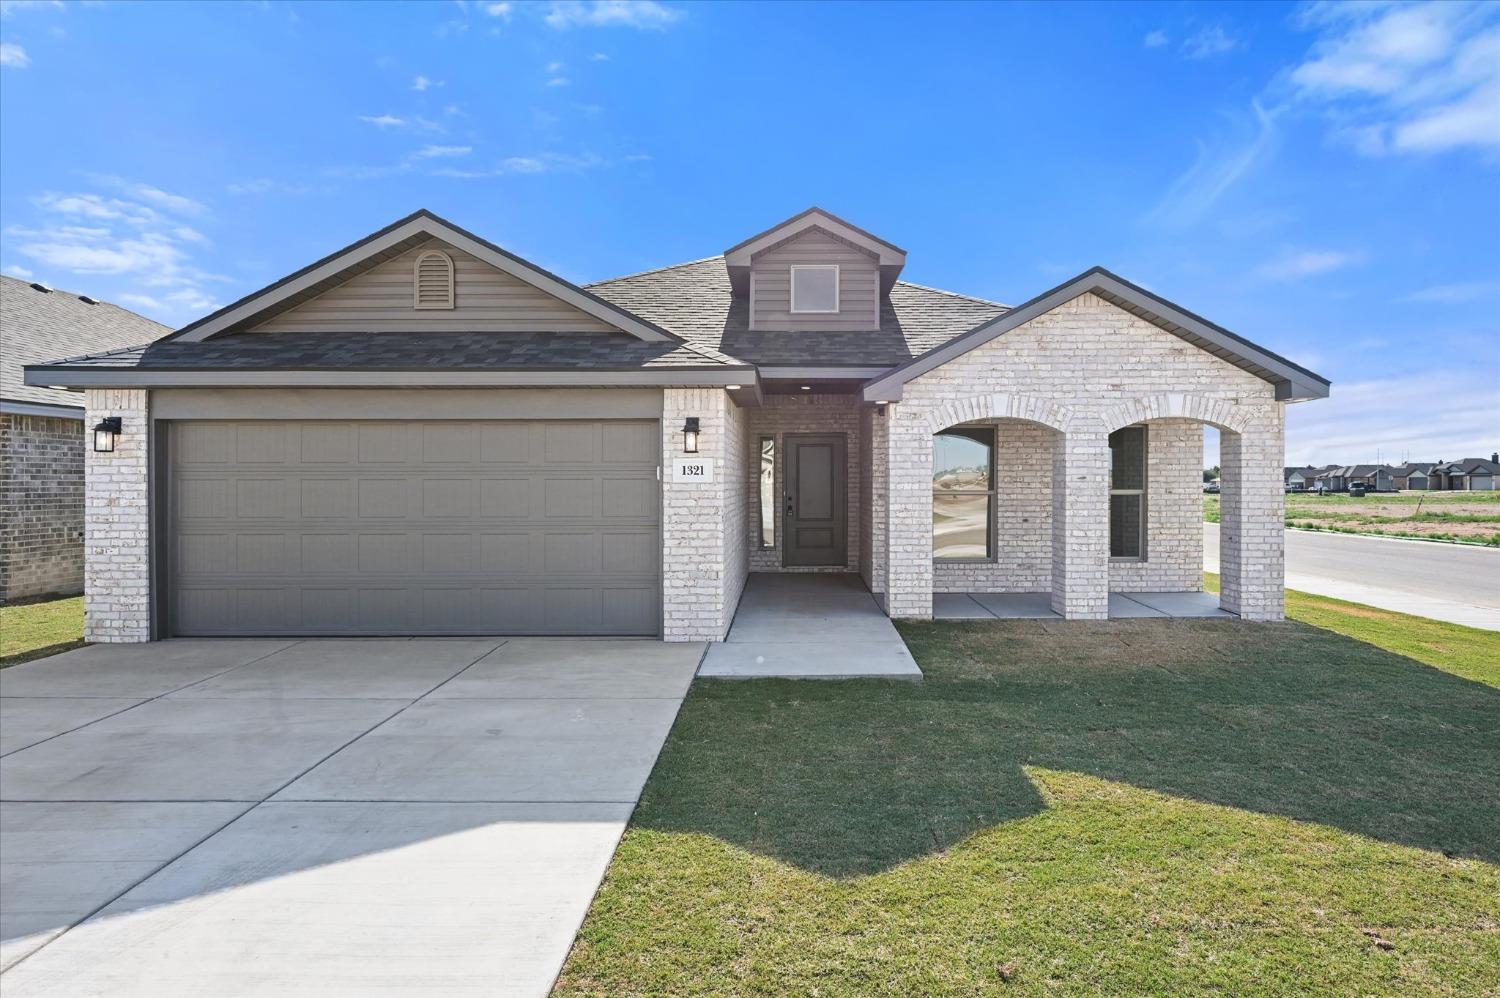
x=35, y=630
x=1137, y=807
x=1468, y=517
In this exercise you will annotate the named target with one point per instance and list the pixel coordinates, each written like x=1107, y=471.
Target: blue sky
x=1324, y=180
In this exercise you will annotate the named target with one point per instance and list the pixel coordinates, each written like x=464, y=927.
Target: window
x=1127, y=493
x=815, y=288
x=963, y=494
x=767, y=492
x=432, y=280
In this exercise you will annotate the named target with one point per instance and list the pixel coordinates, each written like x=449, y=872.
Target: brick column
x=117, y=521
x=879, y=487
x=908, y=551
x=1251, y=532
x=699, y=524
x=1080, y=524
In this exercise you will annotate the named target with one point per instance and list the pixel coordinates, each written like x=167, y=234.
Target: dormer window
x=815, y=288
x=432, y=280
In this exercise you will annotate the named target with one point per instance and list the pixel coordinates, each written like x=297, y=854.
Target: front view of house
x=425, y=434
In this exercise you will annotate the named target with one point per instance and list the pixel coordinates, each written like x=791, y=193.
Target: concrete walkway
x=809, y=626
x=1457, y=583
x=1038, y=606
x=318, y=817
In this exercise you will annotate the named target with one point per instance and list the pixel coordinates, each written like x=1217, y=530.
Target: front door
x=816, y=501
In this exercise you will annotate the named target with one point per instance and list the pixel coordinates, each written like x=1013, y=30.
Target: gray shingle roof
x=37, y=326
x=408, y=351
x=694, y=301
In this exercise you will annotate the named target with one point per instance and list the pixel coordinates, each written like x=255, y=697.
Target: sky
x=1322, y=179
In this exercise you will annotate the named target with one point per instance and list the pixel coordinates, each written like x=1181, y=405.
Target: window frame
x=760, y=496
x=792, y=289
x=1143, y=492
x=991, y=506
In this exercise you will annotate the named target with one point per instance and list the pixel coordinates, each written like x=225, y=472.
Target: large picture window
x=1127, y=493
x=963, y=494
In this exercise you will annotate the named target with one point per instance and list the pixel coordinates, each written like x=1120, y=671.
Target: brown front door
x=816, y=500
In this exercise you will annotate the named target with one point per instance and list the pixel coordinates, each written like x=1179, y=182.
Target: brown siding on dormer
x=380, y=300
x=859, y=284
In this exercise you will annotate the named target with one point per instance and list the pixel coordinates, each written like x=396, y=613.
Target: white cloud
x=420, y=83
x=1207, y=43
x=541, y=163
x=643, y=14
x=441, y=152
x=1155, y=39
x=1295, y=264
x=14, y=56
x=1357, y=421
x=383, y=120
x=599, y=57
x=1217, y=168
x=265, y=185
x=1418, y=78
x=16, y=270
x=9, y=7
x=500, y=10
x=523, y=164
x=1454, y=294
x=558, y=81
x=554, y=67
x=170, y=202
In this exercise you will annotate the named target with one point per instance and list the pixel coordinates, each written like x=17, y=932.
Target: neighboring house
x=1375, y=477
x=425, y=434
x=42, y=432
x=1472, y=474
x=1300, y=479
x=1411, y=477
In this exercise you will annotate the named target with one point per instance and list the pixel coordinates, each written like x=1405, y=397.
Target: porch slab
x=958, y=606
x=1123, y=607
x=809, y=626
x=1018, y=606
x=1183, y=604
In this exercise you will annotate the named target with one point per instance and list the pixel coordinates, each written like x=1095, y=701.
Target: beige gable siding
x=859, y=284
x=486, y=300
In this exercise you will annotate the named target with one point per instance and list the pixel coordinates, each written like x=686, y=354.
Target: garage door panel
x=462, y=527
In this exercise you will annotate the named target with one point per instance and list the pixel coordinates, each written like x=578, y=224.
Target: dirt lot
x=1447, y=516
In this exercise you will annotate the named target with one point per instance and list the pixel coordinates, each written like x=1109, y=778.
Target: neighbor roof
x=38, y=324
x=1468, y=466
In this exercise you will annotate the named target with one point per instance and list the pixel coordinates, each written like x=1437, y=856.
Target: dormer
x=814, y=271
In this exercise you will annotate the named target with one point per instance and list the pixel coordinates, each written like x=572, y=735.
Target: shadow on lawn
x=850, y=778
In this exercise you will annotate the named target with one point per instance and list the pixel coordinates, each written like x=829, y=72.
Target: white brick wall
x=703, y=527
x=1087, y=368
x=117, y=522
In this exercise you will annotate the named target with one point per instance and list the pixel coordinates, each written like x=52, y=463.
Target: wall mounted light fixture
x=690, y=435
x=105, y=434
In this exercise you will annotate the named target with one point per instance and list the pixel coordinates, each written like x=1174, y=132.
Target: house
x=423, y=433
x=1375, y=477
x=1300, y=479
x=42, y=432
x=1472, y=474
x=1411, y=476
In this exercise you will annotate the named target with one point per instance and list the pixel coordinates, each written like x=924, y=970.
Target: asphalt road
x=1454, y=582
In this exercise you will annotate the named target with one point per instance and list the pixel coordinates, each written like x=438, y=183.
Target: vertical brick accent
x=908, y=585
x=41, y=506
x=117, y=582
x=1080, y=525
x=703, y=526
x=879, y=512
x=1252, y=540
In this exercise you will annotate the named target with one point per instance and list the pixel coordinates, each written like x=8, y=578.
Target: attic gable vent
x=432, y=281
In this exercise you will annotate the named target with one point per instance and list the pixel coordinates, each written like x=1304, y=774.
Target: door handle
x=791, y=510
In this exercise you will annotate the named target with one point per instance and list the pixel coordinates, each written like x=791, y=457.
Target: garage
x=433, y=527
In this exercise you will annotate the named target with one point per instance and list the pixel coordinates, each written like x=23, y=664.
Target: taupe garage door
x=329, y=528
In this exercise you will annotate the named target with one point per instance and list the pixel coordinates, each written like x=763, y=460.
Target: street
x=1453, y=582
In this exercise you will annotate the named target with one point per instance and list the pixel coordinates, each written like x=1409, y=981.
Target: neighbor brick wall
x=41, y=506
x=117, y=532
x=703, y=571
x=779, y=415
x=1086, y=368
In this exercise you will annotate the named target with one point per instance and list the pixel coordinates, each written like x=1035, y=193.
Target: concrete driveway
x=339, y=817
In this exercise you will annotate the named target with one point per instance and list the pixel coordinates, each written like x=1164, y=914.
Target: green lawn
x=1471, y=517
x=32, y=630
x=1138, y=807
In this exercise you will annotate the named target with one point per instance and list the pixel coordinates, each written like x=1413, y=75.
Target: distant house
x=42, y=432
x=1375, y=477
x=1300, y=479
x=1411, y=477
x=1472, y=474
